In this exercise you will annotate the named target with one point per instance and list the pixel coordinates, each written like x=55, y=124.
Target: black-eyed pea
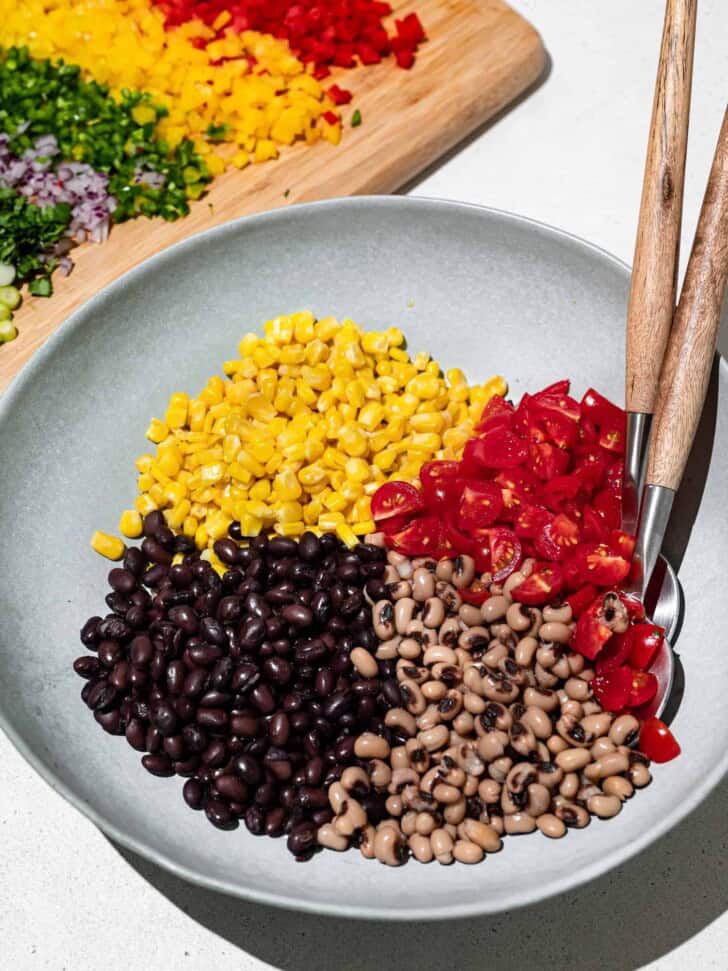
x=561, y=614
x=449, y=674
x=425, y=823
x=446, y=794
x=473, y=679
x=514, y=580
x=523, y=739
x=418, y=801
x=538, y=721
x=401, y=719
x=469, y=614
x=548, y=654
x=399, y=758
x=588, y=674
x=401, y=778
x=364, y=663
x=597, y=725
x=451, y=829
x=617, y=785
x=551, y=826
x=518, y=617
x=454, y=812
x=544, y=678
x=429, y=718
x=419, y=757
x=518, y=823
x=572, y=707
x=328, y=836
x=556, y=632
x=499, y=768
x=338, y=798
x=586, y=791
x=527, y=566
x=492, y=745
x=482, y=835
x=352, y=819
x=434, y=690
x=449, y=632
x=371, y=746
x=442, y=845
x=572, y=732
x=464, y=723
x=471, y=785
x=399, y=589
x=602, y=746
x=390, y=846
x=466, y=852
x=434, y=738
x=569, y=785
x=408, y=823
x=450, y=705
x=591, y=707
x=520, y=777
x=407, y=671
x=463, y=657
x=539, y=800
x=591, y=772
x=549, y=774
x=604, y=806
x=423, y=584
x=476, y=639
x=383, y=620
x=489, y=791
x=624, y=730
x=451, y=599
x=576, y=663
x=404, y=610
x=444, y=570
x=388, y=650
x=409, y=649
x=433, y=612
x=639, y=775
x=439, y=654
x=355, y=780
x=504, y=635
x=376, y=539
x=366, y=839
x=496, y=653
x=397, y=559
x=615, y=763
x=573, y=759
x=429, y=780
x=394, y=805
x=463, y=572
x=412, y=696
x=380, y=773
x=497, y=687
x=561, y=669
x=577, y=689
x=556, y=744
x=474, y=703
x=467, y=757
x=390, y=575
x=509, y=803
x=573, y=815
x=542, y=698
x=420, y=848
x=425, y=635
x=525, y=651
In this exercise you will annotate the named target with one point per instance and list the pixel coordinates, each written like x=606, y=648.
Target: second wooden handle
x=652, y=294
x=686, y=371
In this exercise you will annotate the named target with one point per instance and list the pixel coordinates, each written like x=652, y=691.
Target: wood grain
x=479, y=56
x=686, y=372
x=654, y=273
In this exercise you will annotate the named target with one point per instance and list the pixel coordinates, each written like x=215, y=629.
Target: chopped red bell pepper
x=657, y=741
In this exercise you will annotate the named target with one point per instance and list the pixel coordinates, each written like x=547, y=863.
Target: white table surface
x=571, y=154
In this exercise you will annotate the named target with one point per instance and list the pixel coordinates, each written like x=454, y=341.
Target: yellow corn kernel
x=109, y=546
x=426, y=441
x=357, y=470
x=362, y=509
x=371, y=415
x=352, y=441
x=364, y=527
x=289, y=512
x=260, y=490
x=287, y=485
x=176, y=516
x=250, y=525
x=177, y=559
x=189, y=526
x=303, y=326
x=130, y=523
x=350, y=490
x=335, y=502
x=290, y=529
x=145, y=481
x=312, y=511
x=428, y=422
x=156, y=431
x=346, y=534
x=385, y=459
x=174, y=493
x=201, y=537
x=144, y=504
x=144, y=462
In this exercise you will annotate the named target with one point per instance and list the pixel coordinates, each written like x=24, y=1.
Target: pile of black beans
x=242, y=683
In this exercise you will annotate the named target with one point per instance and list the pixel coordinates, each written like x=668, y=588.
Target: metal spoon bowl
x=664, y=604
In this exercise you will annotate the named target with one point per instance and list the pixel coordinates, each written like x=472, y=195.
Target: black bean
x=243, y=724
x=174, y=746
x=195, y=738
x=158, y=764
x=181, y=576
x=335, y=706
x=176, y=675
x=232, y=788
x=309, y=547
x=248, y=769
x=302, y=840
x=279, y=729
x=87, y=666
x=262, y=697
x=275, y=820
x=188, y=766
x=164, y=717
x=194, y=793
x=227, y=550
x=155, y=552
x=184, y=617
x=134, y=561
x=215, y=754
x=122, y=580
x=153, y=521
x=252, y=632
x=213, y=718
x=281, y=546
x=229, y=610
x=219, y=814
x=255, y=820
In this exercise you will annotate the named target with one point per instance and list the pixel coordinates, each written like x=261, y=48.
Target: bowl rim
x=530, y=895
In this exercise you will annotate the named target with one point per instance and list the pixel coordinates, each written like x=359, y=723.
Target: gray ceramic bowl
x=481, y=289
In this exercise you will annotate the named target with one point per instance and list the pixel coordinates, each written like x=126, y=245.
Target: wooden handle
x=686, y=371
x=654, y=275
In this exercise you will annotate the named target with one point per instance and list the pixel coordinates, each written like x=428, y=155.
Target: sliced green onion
x=10, y=296
x=7, y=274
x=8, y=332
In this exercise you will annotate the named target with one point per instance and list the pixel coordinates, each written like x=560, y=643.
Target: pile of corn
x=247, y=89
x=311, y=419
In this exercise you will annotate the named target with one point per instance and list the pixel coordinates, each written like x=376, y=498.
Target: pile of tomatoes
x=540, y=479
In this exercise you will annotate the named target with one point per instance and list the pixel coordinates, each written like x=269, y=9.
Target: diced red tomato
x=541, y=586
x=596, y=563
x=456, y=538
x=644, y=688
x=558, y=490
x=557, y=389
x=590, y=634
x=498, y=413
x=530, y=521
x=645, y=641
x=609, y=419
x=581, y=599
x=505, y=552
x=546, y=461
x=517, y=487
x=480, y=504
x=477, y=593
x=609, y=506
x=558, y=415
x=612, y=689
x=395, y=500
x=657, y=741
x=622, y=543
x=615, y=652
x=441, y=485
x=635, y=607
x=496, y=449
x=423, y=536
x=594, y=528
x=614, y=478
x=557, y=538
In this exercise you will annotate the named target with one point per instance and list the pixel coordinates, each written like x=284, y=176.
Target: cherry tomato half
x=423, y=536
x=645, y=642
x=657, y=741
x=612, y=689
x=557, y=538
x=596, y=563
x=558, y=490
x=459, y=541
x=480, y=504
x=530, y=521
x=581, y=599
x=558, y=415
x=496, y=449
x=590, y=634
x=517, y=488
x=609, y=506
x=546, y=461
x=609, y=419
x=498, y=413
x=595, y=528
x=615, y=652
x=395, y=500
x=477, y=593
x=644, y=688
x=440, y=485
x=622, y=543
x=505, y=552
x=542, y=585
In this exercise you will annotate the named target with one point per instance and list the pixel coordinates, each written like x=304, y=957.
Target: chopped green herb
x=286, y=193
x=356, y=119
x=217, y=133
x=41, y=287
x=27, y=235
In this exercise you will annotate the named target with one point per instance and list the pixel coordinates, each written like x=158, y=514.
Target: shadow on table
x=633, y=915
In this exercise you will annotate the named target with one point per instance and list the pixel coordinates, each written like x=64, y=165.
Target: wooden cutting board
x=479, y=56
